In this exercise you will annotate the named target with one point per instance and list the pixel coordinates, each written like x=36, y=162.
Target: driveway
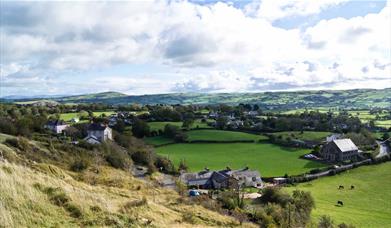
x=383, y=149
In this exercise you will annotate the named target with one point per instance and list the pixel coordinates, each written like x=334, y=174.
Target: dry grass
x=47, y=196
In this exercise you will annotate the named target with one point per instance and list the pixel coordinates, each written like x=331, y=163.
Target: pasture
x=316, y=136
x=269, y=159
x=69, y=115
x=158, y=140
x=367, y=205
x=221, y=136
x=155, y=126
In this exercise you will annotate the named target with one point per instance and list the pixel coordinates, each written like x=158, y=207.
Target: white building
x=99, y=132
x=56, y=126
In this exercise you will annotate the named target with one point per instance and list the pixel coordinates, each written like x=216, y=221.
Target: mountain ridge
x=356, y=98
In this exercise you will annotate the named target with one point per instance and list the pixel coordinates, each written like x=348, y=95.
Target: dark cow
x=351, y=187
x=341, y=187
x=340, y=203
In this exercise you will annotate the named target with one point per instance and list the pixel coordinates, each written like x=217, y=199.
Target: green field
x=68, y=116
x=155, y=126
x=158, y=140
x=368, y=205
x=317, y=136
x=218, y=135
x=269, y=159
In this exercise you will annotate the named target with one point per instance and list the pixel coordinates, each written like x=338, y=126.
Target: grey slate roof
x=345, y=145
x=96, y=127
x=56, y=123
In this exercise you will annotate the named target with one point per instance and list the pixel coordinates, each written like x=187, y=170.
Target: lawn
x=218, y=135
x=317, y=136
x=269, y=159
x=368, y=205
x=158, y=140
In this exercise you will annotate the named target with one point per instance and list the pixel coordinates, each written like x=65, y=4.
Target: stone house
x=222, y=179
x=56, y=126
x=99, y=132
x=339, y=150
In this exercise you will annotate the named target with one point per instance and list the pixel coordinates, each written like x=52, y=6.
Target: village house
x=56, y=126
x=98, y=133
x=339, y=150
x=222, y=179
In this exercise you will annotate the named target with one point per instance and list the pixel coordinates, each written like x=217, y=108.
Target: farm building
x=222, y=179
x=99, y=132
x=56, y=126
x=339, y=150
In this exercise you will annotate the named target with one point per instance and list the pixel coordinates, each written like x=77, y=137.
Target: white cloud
x=275, y=9
x=218, y=46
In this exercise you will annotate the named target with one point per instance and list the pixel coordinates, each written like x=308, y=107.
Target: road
x=383, y=149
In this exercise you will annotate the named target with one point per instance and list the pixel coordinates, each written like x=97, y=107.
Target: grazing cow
x=341, y=187
x=351, y=187
x=340, y=203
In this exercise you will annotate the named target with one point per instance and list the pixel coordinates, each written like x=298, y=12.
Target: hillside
x=358, y=98
x=41, y=194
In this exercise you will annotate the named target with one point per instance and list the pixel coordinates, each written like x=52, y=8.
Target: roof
x=56, y=122
x=97, y=127
x=92, y=139
x=345, y=145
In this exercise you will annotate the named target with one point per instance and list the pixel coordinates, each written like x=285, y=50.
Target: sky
x=152, y=47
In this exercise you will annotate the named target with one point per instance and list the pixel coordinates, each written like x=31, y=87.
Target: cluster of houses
x=97, y=133
x=222, y=179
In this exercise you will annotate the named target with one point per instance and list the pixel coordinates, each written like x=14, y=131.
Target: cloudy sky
x=145, y=47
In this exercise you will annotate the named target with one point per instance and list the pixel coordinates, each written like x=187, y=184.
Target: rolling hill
x=357, y=98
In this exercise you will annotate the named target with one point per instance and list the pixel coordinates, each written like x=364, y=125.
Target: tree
x=386, y=136
x=188, y=123
x=325, y=222
x=221, y=122
x=170, y=130
x=140, y=128
x=119, y=126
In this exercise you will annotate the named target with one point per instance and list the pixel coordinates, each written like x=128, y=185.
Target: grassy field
x=219, y=135
x=158, y=140
x=317, y=136
x=368, y=205
x=155, y=126
x=68, y=116
x=269, y=159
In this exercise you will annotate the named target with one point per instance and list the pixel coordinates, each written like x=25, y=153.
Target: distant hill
x=357, y=98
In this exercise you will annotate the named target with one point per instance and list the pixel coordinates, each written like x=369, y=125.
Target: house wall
x=102, y=135
x=59, y=129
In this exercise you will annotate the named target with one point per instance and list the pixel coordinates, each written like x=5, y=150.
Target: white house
x=99, y=132
x=56, y=126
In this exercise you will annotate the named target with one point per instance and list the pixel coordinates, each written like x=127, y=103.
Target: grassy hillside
x=269, y=159
x=368, y=205
x=358, y=98
x=44, y=194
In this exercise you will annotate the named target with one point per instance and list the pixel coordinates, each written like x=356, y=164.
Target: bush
x=20, y=143
x=73, y=210
x=80, y=165
x=116, y=160
x=116, y=157
x=274, y=195
x=12, y=142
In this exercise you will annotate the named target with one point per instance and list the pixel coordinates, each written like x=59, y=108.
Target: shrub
x=73, y=210
x=136, y=203
x=274, y=195
x=12, y=142
x=80, y=165
x=325, y=222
